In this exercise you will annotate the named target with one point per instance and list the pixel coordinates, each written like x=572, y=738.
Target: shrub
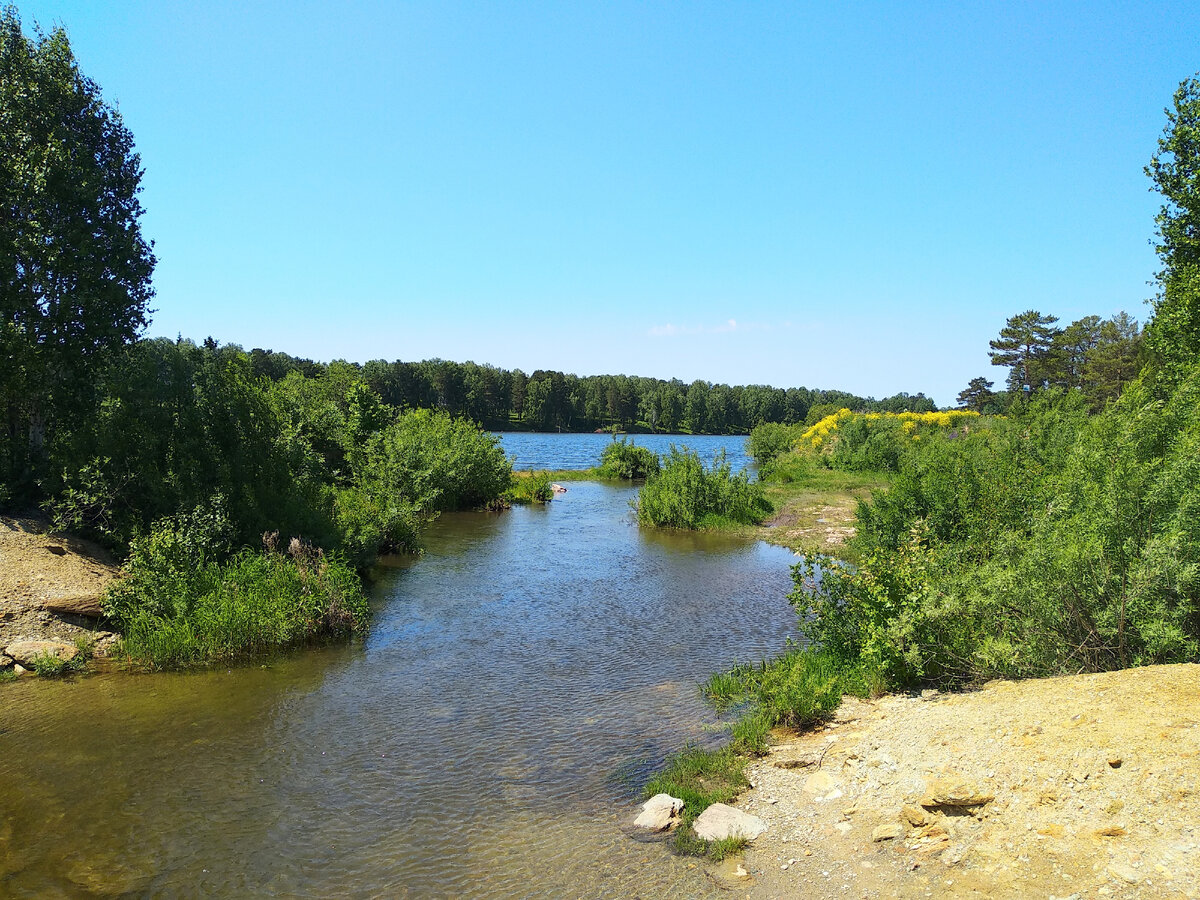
x=685, y=494
x=769, y=440
x=622, y=459
x=178, y=607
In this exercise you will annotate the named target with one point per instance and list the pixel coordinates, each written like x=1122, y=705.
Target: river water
x=487, y=738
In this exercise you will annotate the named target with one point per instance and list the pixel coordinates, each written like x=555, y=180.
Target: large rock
x=954, y=792
x=24, y=652
x=659, y=813
x=75, y=605
x=720, y=821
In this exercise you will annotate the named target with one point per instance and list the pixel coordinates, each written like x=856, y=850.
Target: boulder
x=659, y=813
x=75, y=605
x=24, y=652
x=720, y=821
x=5, y=661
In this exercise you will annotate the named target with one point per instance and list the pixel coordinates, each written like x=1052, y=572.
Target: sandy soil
x=38, y=570
x=1093, y=781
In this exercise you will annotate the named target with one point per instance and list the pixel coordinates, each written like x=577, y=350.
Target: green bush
x=769, y=440
x=685, y=494
x=533, y=487
x=178, y=607
x=1053, y=542
x=622, y=459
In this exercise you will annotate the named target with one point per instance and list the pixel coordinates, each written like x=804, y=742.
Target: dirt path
x=50, y=586
x=1093, y=783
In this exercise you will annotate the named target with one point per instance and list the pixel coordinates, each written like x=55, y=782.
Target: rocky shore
x=50, y=592
x=1074, y=787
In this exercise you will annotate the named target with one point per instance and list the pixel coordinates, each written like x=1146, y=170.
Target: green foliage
x=1175, y=169
x=74, y=267
x=534, y=487
x=49, y=665
x=623, y=459
x=177, y=607
x=1051, y=542
x=769, y=440
x=686, y=494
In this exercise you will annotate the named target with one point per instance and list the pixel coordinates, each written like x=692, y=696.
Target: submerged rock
x=659, y=813
x=720, y=821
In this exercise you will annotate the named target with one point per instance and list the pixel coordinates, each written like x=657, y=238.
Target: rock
x=887, y=832
x=659, y=813
x=1110, y=831
x=20, y=669
x=75, y=605
x=1115, y=761
x=953, y=792
x=1124, y=872
x=820, y=783
x=24, y=652
x=914, y=815
x=720, y=821
x=5, y=661
x=843, y=827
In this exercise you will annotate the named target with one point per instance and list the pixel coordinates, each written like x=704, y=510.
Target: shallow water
x=488, y=738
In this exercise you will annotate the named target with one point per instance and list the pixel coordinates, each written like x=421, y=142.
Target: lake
x=488, y=738
x=535, y=450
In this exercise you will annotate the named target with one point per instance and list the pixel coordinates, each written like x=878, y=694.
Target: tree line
x=548, y=400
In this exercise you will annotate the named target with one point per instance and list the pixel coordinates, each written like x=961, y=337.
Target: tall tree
x=74, y=267
x=1025, y=345
x=1174, y=333
x=976, y=395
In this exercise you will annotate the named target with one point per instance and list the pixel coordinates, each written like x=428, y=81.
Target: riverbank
x=50, y=588
x=1081, y=786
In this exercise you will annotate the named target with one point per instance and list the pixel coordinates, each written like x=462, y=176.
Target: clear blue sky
x=841, y=195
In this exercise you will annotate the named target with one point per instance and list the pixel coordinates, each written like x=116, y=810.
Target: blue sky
x=848, y=195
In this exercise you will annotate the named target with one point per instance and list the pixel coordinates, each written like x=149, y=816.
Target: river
x=487, y=738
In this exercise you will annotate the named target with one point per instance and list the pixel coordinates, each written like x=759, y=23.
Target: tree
x=1025, y=346
x=1174, y=333
x=976, y=395
x=74, y=267
x=1114, y=361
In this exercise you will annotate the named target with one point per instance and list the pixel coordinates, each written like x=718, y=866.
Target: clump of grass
x=7, y=675
x=529, y=487
x=50, y=665
x=799, y=688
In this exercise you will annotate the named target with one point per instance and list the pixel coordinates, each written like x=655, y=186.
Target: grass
x=795, y=690
x=49, y=665
x=529, y=487
x=814, y=507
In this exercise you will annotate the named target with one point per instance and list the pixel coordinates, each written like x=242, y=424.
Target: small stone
x=914, y=815
x=659, y=813
x=842, y=827
x=1115, y=761
x=887, y=832
x=19, y=669
x=740, y=872
x=835, y=794
x=1110, y=831
x=720, y=821
x=1124, y=872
